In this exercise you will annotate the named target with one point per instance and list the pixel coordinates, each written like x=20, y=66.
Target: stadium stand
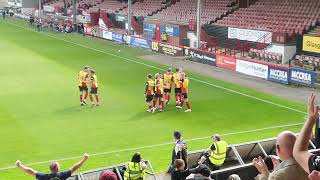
x=146, y=7
x=287, y=16
x=265, y=56
x=239, y=158
x=184, y=10
x=109, y=6
x=307, y=62
x=315, y=31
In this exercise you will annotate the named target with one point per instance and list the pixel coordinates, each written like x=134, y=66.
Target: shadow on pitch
x=72, y=109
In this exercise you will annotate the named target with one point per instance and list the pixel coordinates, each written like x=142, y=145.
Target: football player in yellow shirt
x=149, y=92
x=184, y=89
x=83, y=88
x=158, y=96
x=94, y=87
x=168, y=79
x=177, y=87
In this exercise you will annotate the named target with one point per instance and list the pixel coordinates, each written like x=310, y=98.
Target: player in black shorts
x=177, y=90
x=158, y=96
x=94, y=87
x=149, y=93
x=167, y=82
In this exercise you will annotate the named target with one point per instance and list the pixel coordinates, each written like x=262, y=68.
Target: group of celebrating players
x=87, y=77
x=158, y=90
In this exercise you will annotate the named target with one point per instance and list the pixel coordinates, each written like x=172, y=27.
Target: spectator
x=288, y=169
x=135, y=170
x=82, y=28
x=216, y=154
x=108, y=175
x=308, y=161
x=234, y=177
x=3, y=14
x=180, y=173
x=54, y=168
x=203, y=173
x=179, y=151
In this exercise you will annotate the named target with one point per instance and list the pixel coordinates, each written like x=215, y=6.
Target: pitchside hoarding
x=88, y=30
x=117, y=37
x=226, y=62
x=252, y=69
x=199, y=56
x=278, y=75
x=139, y=42
x=167, y=49
x=107, y=35
x=303, y=77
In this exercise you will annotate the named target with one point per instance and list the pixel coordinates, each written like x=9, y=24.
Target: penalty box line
x=154, y=67
x=157, y=145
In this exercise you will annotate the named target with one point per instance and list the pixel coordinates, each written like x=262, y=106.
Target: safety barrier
x=239, y=158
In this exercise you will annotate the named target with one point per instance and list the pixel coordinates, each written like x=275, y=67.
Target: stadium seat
x=276, y=16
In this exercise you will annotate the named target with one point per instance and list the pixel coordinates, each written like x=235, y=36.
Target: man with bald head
x=54, y=169
x=288, y=169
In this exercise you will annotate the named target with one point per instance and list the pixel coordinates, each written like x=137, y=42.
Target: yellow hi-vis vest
x=218, y=156
x=134, y=172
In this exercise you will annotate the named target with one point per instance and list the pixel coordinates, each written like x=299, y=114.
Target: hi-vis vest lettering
x=218, y=156
x=301, y=76
x=134, y=172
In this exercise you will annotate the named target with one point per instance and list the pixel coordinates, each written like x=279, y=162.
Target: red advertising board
x=88, y=30
x=226, y=62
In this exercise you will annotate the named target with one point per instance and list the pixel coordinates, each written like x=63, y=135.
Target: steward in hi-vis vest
x=135, y=170
x=216, y=155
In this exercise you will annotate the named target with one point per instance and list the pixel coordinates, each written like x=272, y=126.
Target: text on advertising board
x=226, y=62
x=249, y=35
x=278, y=75
x=201, y=56
x=252, y=69
x=301, y=76
x=311, y=44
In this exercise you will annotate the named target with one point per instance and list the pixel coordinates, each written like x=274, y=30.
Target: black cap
x=177, y=134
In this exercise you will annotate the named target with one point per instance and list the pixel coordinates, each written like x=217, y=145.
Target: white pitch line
x=154, y=67
x=155, y=145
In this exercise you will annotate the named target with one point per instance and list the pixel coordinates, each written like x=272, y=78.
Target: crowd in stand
x=56, y=25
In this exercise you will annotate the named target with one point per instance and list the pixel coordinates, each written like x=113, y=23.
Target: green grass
x=40, y=116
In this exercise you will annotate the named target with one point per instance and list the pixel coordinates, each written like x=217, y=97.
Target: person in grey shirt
x=288, y=169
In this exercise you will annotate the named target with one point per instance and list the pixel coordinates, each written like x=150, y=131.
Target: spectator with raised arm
x=308, y=161
x=288, y=169
x=54, y=169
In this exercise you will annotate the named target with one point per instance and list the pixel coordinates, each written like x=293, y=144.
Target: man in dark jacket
x=179, y=151
x=180, y=173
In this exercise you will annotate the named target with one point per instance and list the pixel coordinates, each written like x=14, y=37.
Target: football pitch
x=41, y=120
